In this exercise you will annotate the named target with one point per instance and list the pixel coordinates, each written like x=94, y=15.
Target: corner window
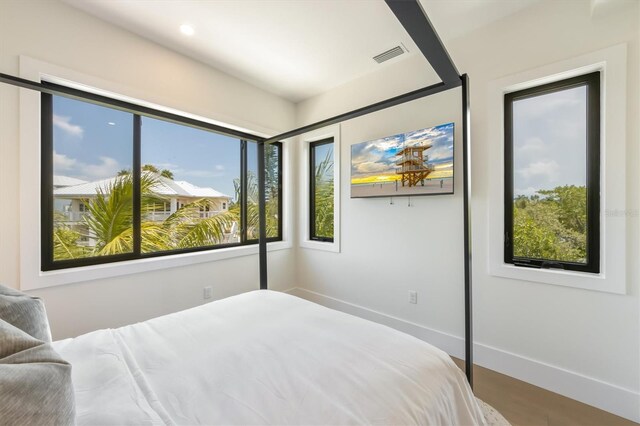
x=120, y=183
x=552, y=175
x=321, y=190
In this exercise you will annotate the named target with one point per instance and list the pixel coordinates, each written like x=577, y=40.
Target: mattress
x=264, y=357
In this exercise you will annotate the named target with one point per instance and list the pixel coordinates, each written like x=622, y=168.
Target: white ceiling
x=293, y=48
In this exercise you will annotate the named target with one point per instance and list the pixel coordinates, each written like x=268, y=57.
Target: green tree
x=110, y=223
x=150, y=168
x=66, y=244
x=551, y=224
x=324, y=200
x=110, y=218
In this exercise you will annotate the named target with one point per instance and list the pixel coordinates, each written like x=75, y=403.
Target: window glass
x=549, y=179
x=198, y=188
x=92, y=203
x=188, y=180
x=272, y=193
x=321, y=188
x=552, y=182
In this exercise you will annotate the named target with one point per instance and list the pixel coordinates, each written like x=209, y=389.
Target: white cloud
x=219, y=167
x=545, y=168
x=62, y=162
x=107, y=168
x=531, y=146
x=63, y=123
x=440, y=153
x=383, y=145
x=371, y=167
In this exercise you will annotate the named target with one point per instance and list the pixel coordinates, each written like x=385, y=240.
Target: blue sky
x=93, y=142
x=549, y=141
x=378, y=157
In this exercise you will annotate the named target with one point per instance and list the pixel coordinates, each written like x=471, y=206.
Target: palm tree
x=324, y=196
x=186, y=229
x=110, y=218
x=271, y=206
x=110, y=223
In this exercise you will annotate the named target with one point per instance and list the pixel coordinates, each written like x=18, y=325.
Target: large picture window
x=121, y=184
x=321, y=190
x=552, y=175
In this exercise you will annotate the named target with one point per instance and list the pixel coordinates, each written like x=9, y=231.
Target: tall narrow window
x=321, y=191
x=273, y=181
x=552, y=182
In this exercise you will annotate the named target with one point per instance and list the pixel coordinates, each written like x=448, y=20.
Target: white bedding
x=264, y=358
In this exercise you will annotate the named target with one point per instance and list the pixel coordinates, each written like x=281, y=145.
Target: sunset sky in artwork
x=375, y=161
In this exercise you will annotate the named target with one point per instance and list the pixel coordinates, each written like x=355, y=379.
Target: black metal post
x=262, y=217
x=137, y=176
x=466, y=174
x=243, y=199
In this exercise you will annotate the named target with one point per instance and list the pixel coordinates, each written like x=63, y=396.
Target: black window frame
x=47, y=189
x=592, y=82
x=244, y=183
x=312, y=190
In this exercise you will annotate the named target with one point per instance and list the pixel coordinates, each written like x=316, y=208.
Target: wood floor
x=523, y=404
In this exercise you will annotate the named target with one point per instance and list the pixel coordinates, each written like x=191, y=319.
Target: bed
x=264, y=357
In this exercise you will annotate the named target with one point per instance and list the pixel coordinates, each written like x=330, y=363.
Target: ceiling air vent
x=389, y=54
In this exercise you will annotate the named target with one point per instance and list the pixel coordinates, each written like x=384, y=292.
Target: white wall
x=388, y=249
x=584, y=344
x=55, y=33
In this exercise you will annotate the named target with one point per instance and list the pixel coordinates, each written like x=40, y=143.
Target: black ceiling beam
x=416, y=22
x=388, y=103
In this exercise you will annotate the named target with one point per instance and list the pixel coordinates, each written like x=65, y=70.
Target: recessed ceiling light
x=187, y=30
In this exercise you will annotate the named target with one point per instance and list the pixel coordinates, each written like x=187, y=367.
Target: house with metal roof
x=71, y=202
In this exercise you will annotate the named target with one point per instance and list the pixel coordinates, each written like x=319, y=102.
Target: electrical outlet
x=413, y=296
x=207, y=292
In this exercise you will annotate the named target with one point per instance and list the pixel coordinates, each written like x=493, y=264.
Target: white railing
x=152, y=216
x=408, y=169
x=207, y=215
x=73, y=216
x=157, y=216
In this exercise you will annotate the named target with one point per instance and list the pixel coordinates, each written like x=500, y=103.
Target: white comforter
x=264, y=358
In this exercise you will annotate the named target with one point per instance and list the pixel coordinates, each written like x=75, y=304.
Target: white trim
x=605, y=396
x=304, y=141
x=31, y=275
x=612, y=62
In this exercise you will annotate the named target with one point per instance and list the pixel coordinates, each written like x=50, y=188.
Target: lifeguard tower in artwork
x=413, y=164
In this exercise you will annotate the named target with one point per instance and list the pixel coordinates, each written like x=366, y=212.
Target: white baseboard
x=605, y=396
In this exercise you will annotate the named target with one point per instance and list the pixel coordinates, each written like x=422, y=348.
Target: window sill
x=582, y=280
x=613, y=236
x=321, y=245
x=110, y=270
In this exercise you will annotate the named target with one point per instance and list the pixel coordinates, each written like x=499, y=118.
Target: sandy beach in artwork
x=389, y=189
